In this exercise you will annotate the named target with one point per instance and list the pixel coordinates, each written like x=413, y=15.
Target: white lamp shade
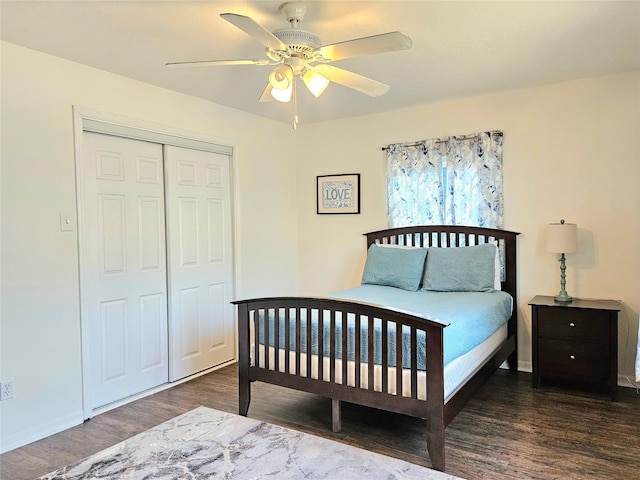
x=281, y=77
x=562, y=238
x=315, y=82
x=282, y=95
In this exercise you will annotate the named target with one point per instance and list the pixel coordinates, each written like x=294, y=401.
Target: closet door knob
x=572, y=357
x=572, y=324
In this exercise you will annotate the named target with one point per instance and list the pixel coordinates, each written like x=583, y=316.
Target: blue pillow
x=394, y=266
x=461, y=269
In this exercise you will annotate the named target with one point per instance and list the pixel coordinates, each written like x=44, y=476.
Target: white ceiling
x=460, y=49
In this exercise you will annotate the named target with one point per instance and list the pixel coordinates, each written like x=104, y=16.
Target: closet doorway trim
x=90, y=120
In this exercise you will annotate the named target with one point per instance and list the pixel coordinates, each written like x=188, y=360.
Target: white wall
x=571, y=150
x=40, y=322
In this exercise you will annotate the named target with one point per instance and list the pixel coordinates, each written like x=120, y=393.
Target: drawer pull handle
x=572, y=357
x=572, y=324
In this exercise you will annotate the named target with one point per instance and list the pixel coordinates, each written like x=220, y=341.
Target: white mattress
x=456, y=372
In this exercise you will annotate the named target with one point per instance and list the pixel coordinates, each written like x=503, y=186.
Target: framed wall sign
x=338, y=193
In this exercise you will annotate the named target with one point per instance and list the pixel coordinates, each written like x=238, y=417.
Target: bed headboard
x=456, y=236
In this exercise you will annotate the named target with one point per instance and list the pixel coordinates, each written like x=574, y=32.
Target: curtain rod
x=465, y=137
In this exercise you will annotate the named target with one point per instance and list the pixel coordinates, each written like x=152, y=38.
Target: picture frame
x=338, y=194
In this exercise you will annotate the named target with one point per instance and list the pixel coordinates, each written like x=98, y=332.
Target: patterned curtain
x=457, y=181
x=415, y=184
x=474, y=181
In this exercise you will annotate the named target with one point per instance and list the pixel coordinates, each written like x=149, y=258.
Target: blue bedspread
x=473, y=318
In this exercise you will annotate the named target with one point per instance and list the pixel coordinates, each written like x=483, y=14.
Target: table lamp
x=562, y=238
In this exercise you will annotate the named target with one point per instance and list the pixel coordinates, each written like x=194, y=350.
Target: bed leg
x=336, y=415
x=435, y=446
x=512, y=361
x=244, y=398
x=244, y=360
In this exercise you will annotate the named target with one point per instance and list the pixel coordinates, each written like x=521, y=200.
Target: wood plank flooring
x=508, y=430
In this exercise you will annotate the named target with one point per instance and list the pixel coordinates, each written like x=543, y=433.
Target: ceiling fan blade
x=365, y=85
x=215, y=63
x=266, y=95
x=250, y=27
x=385, y=42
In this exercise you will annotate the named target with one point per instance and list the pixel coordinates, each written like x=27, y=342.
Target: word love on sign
x=338, y=193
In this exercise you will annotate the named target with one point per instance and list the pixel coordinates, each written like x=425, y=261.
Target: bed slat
x=321, y=346
x=399, y=359
x=332, y=348
x=385, y=356
x=266, y=336
x=414, y=363
x=345, y=346
x=309, y=343
x=256, y=353
x=298, y=340
x=287, y=340
x=357, y=353
x=370, y=351
x=276, y=340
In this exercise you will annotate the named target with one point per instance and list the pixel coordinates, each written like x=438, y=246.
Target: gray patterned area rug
x=206, y=443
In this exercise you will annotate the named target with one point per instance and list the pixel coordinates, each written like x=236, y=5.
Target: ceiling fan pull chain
x=295, y=104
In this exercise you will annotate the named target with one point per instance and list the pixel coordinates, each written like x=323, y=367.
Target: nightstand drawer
x=584, y=359
x=565, y=324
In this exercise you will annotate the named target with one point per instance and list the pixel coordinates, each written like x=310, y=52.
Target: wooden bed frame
x=437, y=413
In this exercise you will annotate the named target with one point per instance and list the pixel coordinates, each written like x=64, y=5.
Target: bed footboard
x=323, y=346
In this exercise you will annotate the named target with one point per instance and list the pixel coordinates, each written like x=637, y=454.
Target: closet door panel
x=187, y=234
x=201, y=260
x=153, y=346
x=218, y=332
x=152, y=254
x=123, y=274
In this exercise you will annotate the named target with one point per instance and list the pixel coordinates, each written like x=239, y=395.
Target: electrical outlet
x=6, y=390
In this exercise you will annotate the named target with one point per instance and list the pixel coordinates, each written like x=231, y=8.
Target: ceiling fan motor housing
x=298, y=41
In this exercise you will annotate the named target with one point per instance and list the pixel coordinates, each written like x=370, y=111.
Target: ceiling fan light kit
x=298, y=53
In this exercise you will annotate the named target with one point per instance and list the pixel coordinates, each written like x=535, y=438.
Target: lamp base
x=562, y=297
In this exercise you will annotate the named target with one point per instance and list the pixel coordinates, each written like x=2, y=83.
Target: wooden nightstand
x=577, y=341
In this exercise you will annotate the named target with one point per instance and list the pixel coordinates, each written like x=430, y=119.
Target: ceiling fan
x=299, y=53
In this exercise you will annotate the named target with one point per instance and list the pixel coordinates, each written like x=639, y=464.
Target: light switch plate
x=67, y=222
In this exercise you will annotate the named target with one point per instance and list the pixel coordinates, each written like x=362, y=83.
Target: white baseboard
x=59, y=425
x=623, y=380
x=525, y=366
x=42, y=431
x=626, y=381
x=157, y=389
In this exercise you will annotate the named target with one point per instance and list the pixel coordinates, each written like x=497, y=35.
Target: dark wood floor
x=508, y=431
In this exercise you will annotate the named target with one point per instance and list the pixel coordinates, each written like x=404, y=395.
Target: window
x=457, y=181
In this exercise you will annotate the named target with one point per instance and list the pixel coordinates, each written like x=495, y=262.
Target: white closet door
x=199, y=210
x=123, y=273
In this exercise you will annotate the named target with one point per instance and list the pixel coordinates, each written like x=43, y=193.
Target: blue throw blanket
x=473, y=318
